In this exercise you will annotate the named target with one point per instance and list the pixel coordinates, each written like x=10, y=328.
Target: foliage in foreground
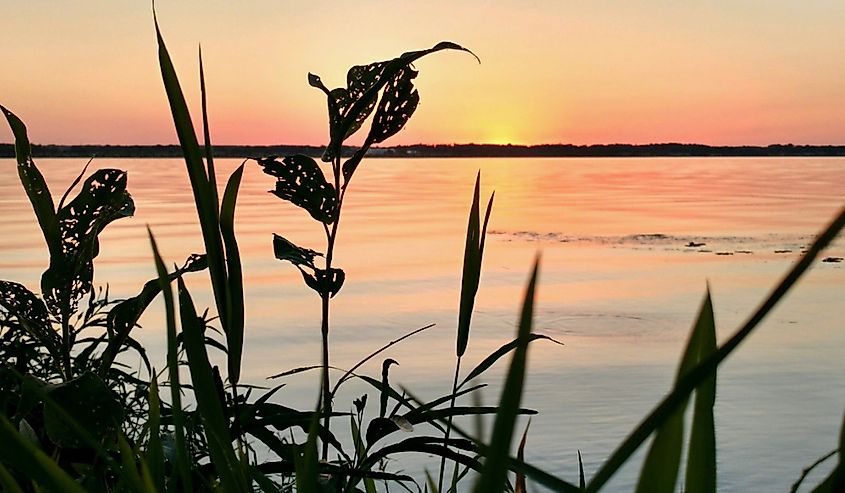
x=75, y=417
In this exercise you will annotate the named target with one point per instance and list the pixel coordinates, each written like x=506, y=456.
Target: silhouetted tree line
x=442, y=150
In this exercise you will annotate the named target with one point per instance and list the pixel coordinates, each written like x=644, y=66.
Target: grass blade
x=659, y=472
x=519, y=483
x=230, y=471
x=235, y=288
x=701, y=458
x=7, y=481
x=204, y=196
x=497, y=458
x=155, y=453
x=183, y=465
x=471, y=272
x=685, y=386
x=493, y=357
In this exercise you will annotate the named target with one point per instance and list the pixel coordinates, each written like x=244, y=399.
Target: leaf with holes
x=325, y=282
x=398, y=103
x=31, y=314
x=102, y=200
x=300, y=181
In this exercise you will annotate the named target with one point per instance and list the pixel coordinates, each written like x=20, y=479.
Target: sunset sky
x=553, y=71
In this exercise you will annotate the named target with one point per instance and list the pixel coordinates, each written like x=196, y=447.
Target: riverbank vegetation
x=76, y=415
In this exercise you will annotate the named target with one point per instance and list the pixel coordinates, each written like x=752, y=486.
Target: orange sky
x=740, y=72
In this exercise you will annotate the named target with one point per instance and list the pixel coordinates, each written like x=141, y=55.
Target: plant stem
x=66, y=343
x=449, y=425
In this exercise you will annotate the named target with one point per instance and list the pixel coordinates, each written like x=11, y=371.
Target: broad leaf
x=32, y=315
x=300, y=181
x=397, y=104
x=103, y=199
x=89, y=403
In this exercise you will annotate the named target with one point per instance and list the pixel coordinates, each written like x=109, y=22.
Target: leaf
x=285, y=250
x=659, y=472
x=230, y=471
x=103, y=199
x=32, y=315
x=300, y=181
x=582, y=480
x=351, y=164
x=155, y=452
x=33, y=182
x=397, y=104
x=497, y=457
x=701, y=457
x=703, y=370
x=87, y=401
x=21, y=454
x=235, y=288
x=325, y=282
x=493, y=357
x=124, y=316
x=519, y=484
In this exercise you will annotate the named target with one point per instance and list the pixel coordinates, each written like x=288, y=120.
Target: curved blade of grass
x=685, y=386
x=807, y=470
x=8, y=482
x=235, y=287
x=497, y=457
x=183, y=465
x=701, y=457
x=835, y=482
x=34, y=184
x=204, y=197
x=231, y=472
x=519, y=483
x=471, y=271
x=209, y=149
x=23, y=455
x=582, y=480
x=659, y=472
x=497, y=354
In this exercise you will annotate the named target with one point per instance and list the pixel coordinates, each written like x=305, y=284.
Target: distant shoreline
x=443, y=151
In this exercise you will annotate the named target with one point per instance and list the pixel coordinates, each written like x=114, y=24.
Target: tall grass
x=74, y=418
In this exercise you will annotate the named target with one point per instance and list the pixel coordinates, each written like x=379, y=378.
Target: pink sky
x=743, y=72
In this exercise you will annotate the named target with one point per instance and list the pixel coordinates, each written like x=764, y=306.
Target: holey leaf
x=397, y=104
x=31, y=314
x=301, y=182
x=103, y=199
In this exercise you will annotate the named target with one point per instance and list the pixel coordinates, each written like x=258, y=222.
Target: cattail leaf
x=701, y=458
x=659, y=471
x=234, y=274
x=497, y=456
x=183, y=466
x=211, y=410
x=300, y=181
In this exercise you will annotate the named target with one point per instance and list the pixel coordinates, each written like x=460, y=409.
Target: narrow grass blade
x=702, y=371
x=229, y=469
x=306, y=461
x=20, y=453
x=701, y=458
x=659, y=472
x=204, y=197
x=582, y=479
x=155, y=452
x=209, y=149
x=519, y=483
x=497, y=457
x=235, y=288
x=129, y=469
x=493, y=357
x=471, y=272
x=183, y=465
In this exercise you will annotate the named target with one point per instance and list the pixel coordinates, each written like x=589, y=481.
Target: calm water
x=619, y=287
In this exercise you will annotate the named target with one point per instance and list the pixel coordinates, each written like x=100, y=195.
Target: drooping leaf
x=89, y=402
x=497, y=457
x=300, y=181
x=659, y=472
x=285, y=250
x=33, y=182
x=491, y=359
x=103, y=199
x=325, y=282
x=32, y=315
x=385, y=370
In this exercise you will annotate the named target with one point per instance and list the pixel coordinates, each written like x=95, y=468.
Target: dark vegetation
x=75, y=414
x=444, y=150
